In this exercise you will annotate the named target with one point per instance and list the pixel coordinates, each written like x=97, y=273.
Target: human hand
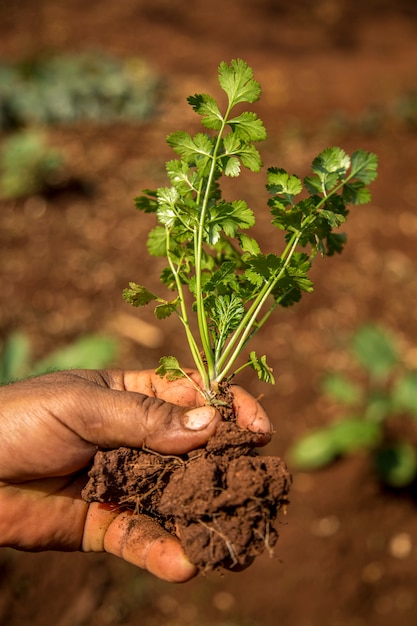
x=50, y=428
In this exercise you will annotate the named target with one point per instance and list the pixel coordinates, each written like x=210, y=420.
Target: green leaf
x=261, y=267
x=404, y=393
x=365, y=166
x=353, y=434
x=137, y=295
x=231, y=216
x=342, y=389
x=314, y=450
x=324, y=445
x=248, y=126
x=333, y=219
x=15, y=357
x=157, y=241
x=397, y=464
x=356, y=193
x=148, y=202
x=90, y=352
x=223, y=275
x=237, y=81
x=165, y=309
x=376, y=351
x=190, y=148
x=170, y=368
x=207, y=107
x=250, y=158
x=261, y=367
x=249, y=244
x=231, y=144
x=232, y=167
x=280, y=182
x=225, y=313
x=330, y=161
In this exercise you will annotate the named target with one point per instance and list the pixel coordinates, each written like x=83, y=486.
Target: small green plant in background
x=75, y=87
x=28, y=164
x=87, y=352
x=378, y=410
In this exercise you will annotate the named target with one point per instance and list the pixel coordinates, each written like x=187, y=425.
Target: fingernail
x=199, y=418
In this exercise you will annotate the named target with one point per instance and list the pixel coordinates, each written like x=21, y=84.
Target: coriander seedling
x=217, y=271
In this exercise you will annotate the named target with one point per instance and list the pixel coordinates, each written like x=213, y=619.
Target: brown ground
x=347, y=555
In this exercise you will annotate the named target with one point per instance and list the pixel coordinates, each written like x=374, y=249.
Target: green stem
x=185, y=321
x=246, y=326
x=198, y=249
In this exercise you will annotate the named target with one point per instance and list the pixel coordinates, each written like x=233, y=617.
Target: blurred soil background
x=333, y=72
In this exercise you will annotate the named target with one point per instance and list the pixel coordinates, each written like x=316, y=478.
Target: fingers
x=137, y=539
x=250, y=414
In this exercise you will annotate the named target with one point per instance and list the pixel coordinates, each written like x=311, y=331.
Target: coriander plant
x=217, y=271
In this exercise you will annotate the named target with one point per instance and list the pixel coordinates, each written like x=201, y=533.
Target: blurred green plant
x=379, y=412
x=87, y=352
x=68, y=88
x=28, y=165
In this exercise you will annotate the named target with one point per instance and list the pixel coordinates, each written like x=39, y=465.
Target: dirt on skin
x=222, y=501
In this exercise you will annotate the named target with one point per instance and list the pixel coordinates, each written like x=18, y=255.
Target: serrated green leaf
x=190, y=148
x=248, y=126
x=261, y=367
x=333, y=219
x=231, y=144
x=249, y=244
x=147, y=203
x=157, y=241
x=237, y=81
x=364, y=166
x=178, y=172
x=264, y=266
x=165, y=309
x=313, y=184
x=169, y=368
x=280, y=182
x=231, y=216
x=225, y=314
x=207, y=107
x=250, y=158
x=137, y=295
x=223, y=274
x=331, y=160
x=232, y=167
x=356, y=193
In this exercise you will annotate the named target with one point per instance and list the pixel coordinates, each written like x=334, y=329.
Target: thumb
x=110, y=418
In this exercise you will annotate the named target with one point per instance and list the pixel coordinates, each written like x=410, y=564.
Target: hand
x=50, y=428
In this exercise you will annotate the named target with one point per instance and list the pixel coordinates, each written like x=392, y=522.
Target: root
x=224, y=538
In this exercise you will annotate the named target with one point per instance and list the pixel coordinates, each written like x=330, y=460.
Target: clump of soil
x=221, y=501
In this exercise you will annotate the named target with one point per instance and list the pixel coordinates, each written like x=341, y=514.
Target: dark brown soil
x=333, y=73
x=221, y=501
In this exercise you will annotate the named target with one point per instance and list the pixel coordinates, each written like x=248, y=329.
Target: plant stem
x=198, y=249
x=184, y=319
